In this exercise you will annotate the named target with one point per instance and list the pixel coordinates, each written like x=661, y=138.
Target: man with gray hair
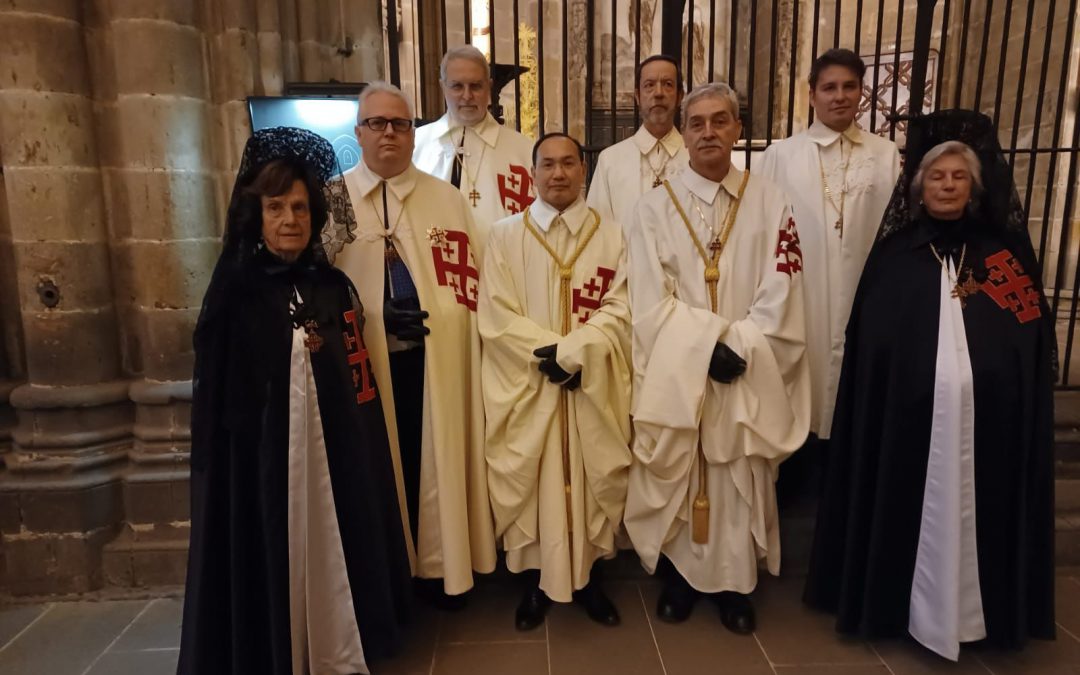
x=488, y=162
x=721, y=382
x=414, y=259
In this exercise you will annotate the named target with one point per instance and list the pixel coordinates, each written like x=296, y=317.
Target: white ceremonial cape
x=519, y=311
x=623, y=172
x=499, y=160
x=440, y=245
x=833, y=263
x=745, y=428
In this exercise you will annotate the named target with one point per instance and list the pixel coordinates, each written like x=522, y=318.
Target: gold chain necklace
x=658, y=174
x=960, y=290
x=460, y=158
x=844, y=188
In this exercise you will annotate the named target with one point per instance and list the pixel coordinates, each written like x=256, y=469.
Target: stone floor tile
x=152, y=662
x=579, y=646
x=14, y=620
x=908, y=657
x=834, y=669
x=518, y=658
x=1067, y=605
x=792, y=634
x=158, y=627
x=701, y=643
x=68, y=638
x=418, y=653
x=489, y=616
x=1039, y=657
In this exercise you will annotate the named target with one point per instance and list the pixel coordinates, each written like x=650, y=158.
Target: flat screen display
x=332, y=118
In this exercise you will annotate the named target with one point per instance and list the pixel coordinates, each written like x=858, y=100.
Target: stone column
x=152, y=87
x=60, y=495
x=11, y=356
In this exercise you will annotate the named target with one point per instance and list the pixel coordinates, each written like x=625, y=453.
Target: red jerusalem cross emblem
x=788, y=253
x=589, y=296
x=356, y=355
x=1010, y=287
x=452, y=266
x=514, y=189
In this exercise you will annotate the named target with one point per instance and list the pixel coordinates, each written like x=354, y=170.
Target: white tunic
x=322, y=619
x=629, y=169
x=834, y=263
x=497, y=163
x=433, y=231
x=520, y=310
x=946, y=599
x=745, y=428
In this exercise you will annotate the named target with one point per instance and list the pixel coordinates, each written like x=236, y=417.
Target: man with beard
x=721, y=383
x=488, y=162
x=632, y=167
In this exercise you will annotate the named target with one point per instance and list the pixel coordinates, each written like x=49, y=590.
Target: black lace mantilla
x=290, y=143
x=999, y=205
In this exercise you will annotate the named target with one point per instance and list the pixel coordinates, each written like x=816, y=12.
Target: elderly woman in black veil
x=937, y=514
x=298, y=560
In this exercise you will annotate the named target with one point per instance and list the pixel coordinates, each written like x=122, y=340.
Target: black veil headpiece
x=316, y=159
x=998, y=208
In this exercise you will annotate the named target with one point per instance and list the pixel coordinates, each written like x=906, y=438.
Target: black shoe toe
x=531, y=610
x=598, y=605
x=676, y=602
x=737, y=612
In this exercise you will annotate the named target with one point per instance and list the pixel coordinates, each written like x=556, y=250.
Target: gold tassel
x=700, y=522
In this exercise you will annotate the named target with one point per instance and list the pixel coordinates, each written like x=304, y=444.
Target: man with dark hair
x=839, y=178
x=632, y=167
x=555, y=324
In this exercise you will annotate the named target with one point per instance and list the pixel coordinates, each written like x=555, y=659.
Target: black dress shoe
x=736, y=612
x=431, y=591
x=532, y=609
x=676, y=600
x=597, y=605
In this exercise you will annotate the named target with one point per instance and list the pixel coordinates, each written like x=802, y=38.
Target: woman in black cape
x=297, y=537
x=869, y=564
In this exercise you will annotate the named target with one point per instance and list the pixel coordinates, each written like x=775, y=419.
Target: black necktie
x=459, y=157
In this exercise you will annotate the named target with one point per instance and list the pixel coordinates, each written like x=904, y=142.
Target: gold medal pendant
x=391, y=253
x=964, y=289
x=313, y=341
x=657, y=182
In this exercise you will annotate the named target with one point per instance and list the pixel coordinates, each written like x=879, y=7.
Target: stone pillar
x=11, y=357
x=152, y=87
x=60, y=496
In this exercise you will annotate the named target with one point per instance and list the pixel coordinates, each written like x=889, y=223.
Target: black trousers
x=407, y=374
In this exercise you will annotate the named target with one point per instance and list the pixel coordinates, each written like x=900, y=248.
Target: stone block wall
x=122, y=123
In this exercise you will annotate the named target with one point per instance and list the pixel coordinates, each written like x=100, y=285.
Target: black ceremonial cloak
x=869, y=517
x=236, y=612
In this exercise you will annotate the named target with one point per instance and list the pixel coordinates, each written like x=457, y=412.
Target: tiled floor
x=140, y=637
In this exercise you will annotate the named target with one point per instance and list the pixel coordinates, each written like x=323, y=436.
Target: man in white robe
x=840, y=179
x=721, y=382
x=487, y=161
x=656, y=152
x=556, y=377
x=414, y=255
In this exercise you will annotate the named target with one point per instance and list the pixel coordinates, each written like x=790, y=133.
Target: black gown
x=236, y=610
x=868, y=522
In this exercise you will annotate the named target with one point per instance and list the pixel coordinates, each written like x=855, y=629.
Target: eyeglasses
x=378, y=124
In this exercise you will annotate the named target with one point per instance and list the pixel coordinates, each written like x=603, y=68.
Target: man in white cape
x=413, y=259
x=840, y=179
x=555, y=323
x=487, y=161
x=721, y=382
x=656, y=152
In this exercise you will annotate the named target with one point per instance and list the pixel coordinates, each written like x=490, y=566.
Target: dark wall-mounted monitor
x=332, y=115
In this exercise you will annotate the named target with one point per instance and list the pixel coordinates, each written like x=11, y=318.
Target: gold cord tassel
x=699, y=526
x=565, y=274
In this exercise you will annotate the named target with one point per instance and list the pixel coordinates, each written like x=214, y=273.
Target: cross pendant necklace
x=474, y=196
x=658, y=174
x=714, y=242
x=961, y=290
x=839, y=225
x=461, y=157
x=313, y=341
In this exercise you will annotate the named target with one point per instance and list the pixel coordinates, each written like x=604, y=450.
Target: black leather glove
x=550, y=367
x=725, y=365
x=404, y=319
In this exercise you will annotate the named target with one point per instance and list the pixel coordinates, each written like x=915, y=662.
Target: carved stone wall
x=121, y=126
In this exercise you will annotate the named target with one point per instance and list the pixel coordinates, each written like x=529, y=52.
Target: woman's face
x=286, y=222
x=946, y=187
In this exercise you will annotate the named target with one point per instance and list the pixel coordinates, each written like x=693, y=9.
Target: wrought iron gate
x=1016, y=60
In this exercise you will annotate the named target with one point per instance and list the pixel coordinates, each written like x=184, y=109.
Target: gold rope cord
x=566, y=272
x=700, y=516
